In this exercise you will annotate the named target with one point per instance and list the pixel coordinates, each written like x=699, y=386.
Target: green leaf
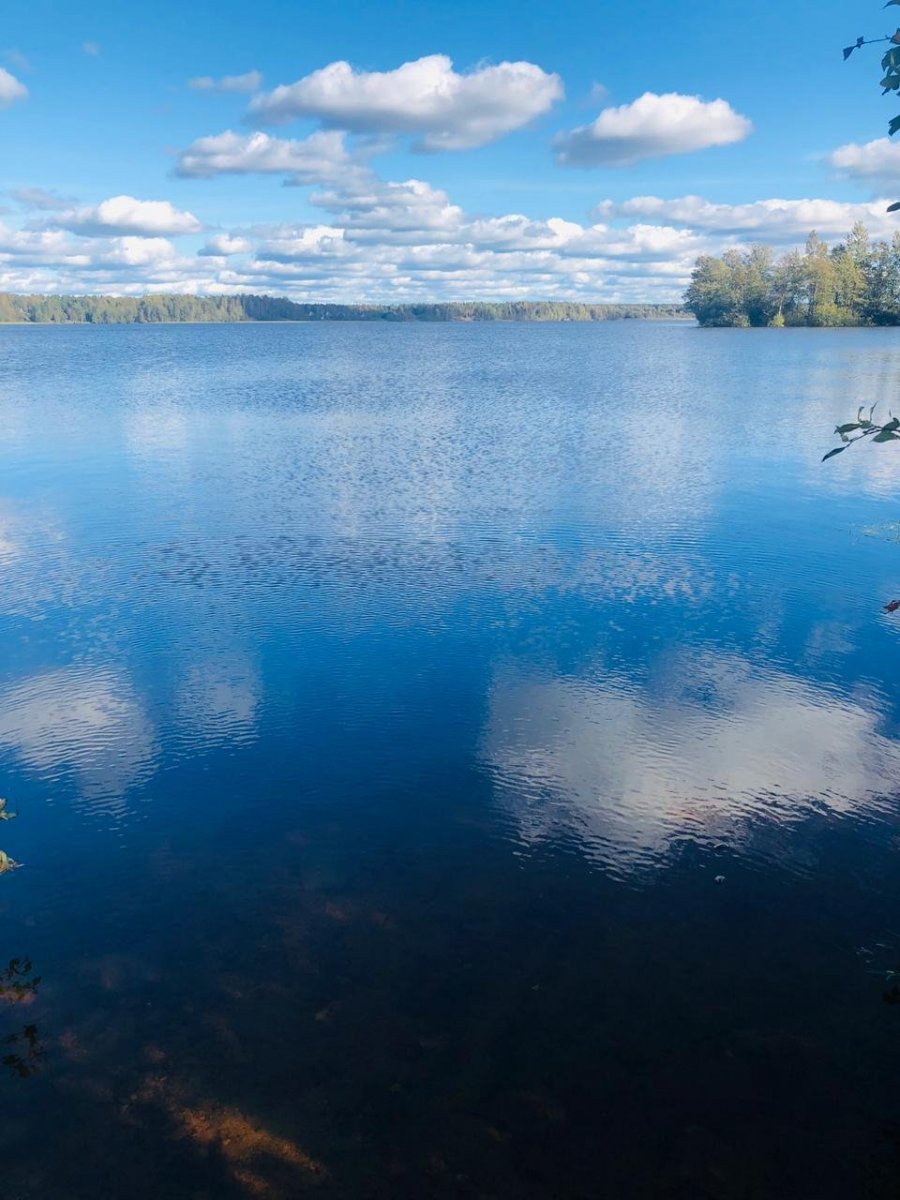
x=855, y=425
x=893, y=207
x=891, y=425
x=886, y=435
x=832, y=453
x=894, y=126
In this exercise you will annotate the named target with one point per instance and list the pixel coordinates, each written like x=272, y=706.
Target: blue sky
x=489, y=149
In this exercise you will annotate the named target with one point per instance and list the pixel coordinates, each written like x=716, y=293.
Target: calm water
x=451, y=761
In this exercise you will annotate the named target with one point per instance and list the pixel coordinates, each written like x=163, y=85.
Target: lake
x=450, y=761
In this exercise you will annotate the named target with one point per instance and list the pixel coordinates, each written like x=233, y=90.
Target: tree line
x=156, y=309
x=856, y=282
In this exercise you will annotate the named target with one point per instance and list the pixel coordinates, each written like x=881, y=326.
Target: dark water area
x=450, y=761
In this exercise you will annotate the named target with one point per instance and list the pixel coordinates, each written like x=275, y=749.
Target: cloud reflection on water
x=84, y=721
x=715, y=746
x=217, y=700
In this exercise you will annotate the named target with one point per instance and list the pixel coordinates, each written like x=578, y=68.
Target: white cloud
x=392, y=211
x=134, y=252
x=126, y=215
x=223, y=244
x=878, y=160
x=320, y=158
x=248, y=82
x=445, y=109
x=769, y=220
x=651, y=127
x=381, y=240
x=11, y=89
x=310, y=241
x=393, y=240
x=91, y=49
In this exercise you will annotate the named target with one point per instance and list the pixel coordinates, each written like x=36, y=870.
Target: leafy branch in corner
x=890, y=64
x=855, y=431
x=865, y=427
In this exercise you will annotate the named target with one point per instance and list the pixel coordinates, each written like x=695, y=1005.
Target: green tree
x=854, y=283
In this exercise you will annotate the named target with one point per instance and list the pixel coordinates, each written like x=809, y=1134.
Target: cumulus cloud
x=134, y=252
x=444, y=109
x=393, y=240
x=11, y=89
x=56, y=261
x=126, y=215
x=652, y=126
x=874, y=161
x=248, y=82
x=770, y=220
x=320, y=158
x=304, y=243
x=380, y=240
x=223, y=244
x=408, y=241
x=392, y=211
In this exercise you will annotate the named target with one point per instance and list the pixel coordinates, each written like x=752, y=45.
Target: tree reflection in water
x=19, y=985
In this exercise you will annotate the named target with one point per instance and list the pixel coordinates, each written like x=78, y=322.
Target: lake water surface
x=450, y=761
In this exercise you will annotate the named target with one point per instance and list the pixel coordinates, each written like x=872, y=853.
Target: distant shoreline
x=171, y=309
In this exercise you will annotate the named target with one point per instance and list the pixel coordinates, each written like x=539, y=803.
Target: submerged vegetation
x=856, y=282
x=139, y=310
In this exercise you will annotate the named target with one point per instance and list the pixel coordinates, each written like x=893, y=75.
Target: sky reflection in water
x=714, y=751
x=422, y=681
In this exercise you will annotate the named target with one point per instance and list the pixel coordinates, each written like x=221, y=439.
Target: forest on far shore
x=159, y=309
x=856, y=282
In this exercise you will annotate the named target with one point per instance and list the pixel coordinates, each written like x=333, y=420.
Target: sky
x=410, y=151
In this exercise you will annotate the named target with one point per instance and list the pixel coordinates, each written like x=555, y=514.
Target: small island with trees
x=856, y=282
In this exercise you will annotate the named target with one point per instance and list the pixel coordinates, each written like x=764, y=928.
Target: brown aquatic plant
x=266, y=1164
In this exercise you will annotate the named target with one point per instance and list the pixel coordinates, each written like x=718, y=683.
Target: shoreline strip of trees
x=157, y=309
x=856, y=282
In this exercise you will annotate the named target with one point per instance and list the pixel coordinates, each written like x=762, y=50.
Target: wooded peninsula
x=159, y=309
x=856, y=282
